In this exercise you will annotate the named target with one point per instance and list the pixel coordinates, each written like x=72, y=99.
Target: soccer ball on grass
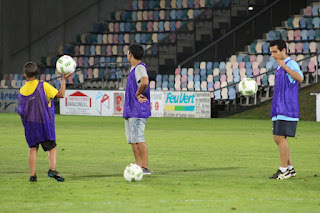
x=133, y=173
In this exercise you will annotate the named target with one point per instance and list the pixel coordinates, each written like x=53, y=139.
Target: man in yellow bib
x=37, y=112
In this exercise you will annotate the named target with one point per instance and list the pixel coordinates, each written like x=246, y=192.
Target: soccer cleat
x=55, y=175
x=281, y=175
x=146, y=171
x=292, y=172
x=33, y=178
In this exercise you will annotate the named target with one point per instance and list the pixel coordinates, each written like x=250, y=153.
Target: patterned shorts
x=135, y=129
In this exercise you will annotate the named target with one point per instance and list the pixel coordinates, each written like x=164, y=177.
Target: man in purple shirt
x=285, y=105
x=137, y=106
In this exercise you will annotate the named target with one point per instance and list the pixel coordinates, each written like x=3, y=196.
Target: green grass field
x=198, y=165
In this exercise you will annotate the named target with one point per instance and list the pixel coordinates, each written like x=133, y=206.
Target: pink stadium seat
x=109, y=50
x=178, y=24
x=177, y=78
x=80, y=61
x=258, y=80
x=297, y=35
x=223, y=78
x=256, y=71
x=117, y=27
x=42, y=77
x=76, y=50
x=184, y=78
x=308, y=11
x=90, y=73
x=11, y=76
x=253, y=58
x=217, y=85
x=150, y=15
x=293, y=57
x=177, y=71
x=115, y=38
x=311, y=66
x=242, y=65
x=196, y=3
x=298, y=47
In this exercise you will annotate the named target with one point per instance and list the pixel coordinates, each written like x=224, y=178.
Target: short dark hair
x=280, y=43
x=137, y=51
x=31, y=69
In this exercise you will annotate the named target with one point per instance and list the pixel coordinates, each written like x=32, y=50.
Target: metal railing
x=244, y=34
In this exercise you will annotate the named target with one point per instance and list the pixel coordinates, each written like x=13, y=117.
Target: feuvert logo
x=180, y=102
x=182, y=98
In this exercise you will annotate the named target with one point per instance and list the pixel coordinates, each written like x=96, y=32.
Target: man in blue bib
x=137, y=106
x=285, y=105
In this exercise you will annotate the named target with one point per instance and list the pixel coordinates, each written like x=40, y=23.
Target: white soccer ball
x=65, y=64
x=248, y=87
x=133, y=173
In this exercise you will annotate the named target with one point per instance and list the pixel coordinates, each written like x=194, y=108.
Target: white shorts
x=135, y=129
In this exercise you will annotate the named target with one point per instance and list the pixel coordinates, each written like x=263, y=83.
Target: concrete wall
x=23, y=22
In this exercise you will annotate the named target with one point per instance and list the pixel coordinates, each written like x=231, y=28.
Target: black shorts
x=285, y=128
x=46, y=145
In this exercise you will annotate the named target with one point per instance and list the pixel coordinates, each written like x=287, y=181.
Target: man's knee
x=278, y=139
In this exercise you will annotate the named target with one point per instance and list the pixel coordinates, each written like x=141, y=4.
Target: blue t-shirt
x=295, y=67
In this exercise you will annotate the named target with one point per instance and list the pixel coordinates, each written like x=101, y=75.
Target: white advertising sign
x=111, y=103
x=9, y=100
x=187, y=104
x=86, y=102
x=157, y=103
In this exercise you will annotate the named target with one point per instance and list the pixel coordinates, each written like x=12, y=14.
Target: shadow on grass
x=155, y=172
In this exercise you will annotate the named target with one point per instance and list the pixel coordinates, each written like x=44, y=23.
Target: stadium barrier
x=9, y=100
x=110, y=103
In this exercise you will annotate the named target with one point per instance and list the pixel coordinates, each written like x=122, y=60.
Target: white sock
x=290, y=167
x=283, y=169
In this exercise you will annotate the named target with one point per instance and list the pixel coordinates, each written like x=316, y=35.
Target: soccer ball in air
x=65, y=64
x=133, y=173
x=248, y=87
